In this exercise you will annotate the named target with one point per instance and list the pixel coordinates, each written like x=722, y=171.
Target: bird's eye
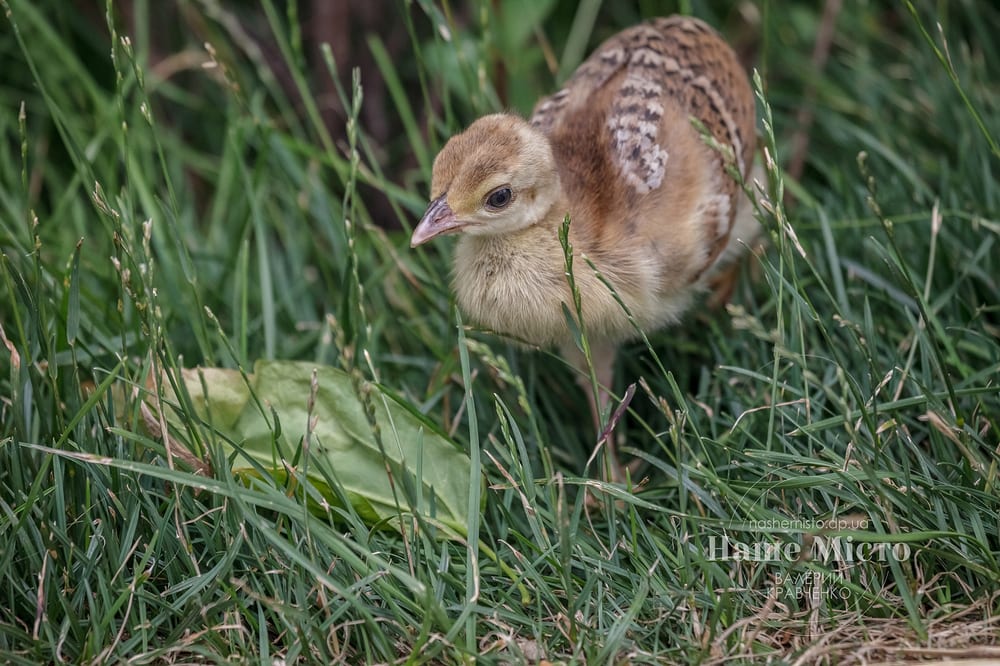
x=499, y=198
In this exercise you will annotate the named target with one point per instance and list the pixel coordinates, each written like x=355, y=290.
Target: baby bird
x=649, y=202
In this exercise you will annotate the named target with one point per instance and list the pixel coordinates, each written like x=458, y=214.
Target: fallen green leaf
x=267, y=416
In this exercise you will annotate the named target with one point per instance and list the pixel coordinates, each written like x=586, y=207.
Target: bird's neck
x=514, y=283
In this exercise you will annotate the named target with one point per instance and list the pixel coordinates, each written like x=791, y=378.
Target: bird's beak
x=439, y=219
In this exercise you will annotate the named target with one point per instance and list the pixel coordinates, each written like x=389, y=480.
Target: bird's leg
x=602, y=357
x=603, y=360
x=604, y=370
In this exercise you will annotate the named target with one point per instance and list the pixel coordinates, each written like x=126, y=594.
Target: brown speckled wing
x=676, y=62
x=706, y=78
x=703, y=74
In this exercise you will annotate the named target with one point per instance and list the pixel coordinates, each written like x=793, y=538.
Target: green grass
x=210, y=218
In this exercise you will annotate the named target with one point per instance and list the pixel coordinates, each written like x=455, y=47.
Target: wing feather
x=677, y=66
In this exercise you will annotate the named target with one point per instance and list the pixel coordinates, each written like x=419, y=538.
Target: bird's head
x=496, y=177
